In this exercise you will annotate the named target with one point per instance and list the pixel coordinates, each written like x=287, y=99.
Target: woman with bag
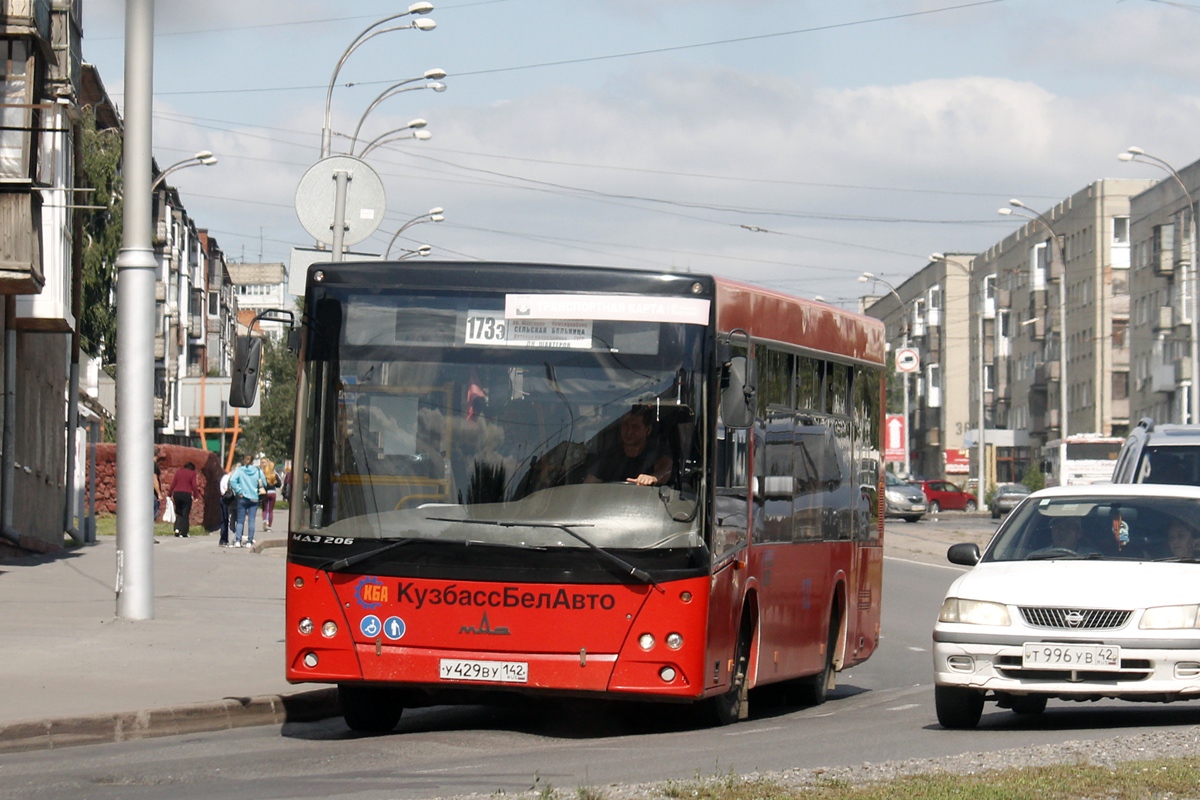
x=184, y=487
x=268, y=499
x=248, y=483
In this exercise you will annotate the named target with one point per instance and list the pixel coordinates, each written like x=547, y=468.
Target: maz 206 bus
x=449, y=541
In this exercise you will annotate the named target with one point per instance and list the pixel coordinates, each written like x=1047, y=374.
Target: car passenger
x=1181, y=540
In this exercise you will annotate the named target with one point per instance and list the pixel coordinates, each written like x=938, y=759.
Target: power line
x=615, y=56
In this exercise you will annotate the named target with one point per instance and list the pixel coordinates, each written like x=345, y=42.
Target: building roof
x=256, y=274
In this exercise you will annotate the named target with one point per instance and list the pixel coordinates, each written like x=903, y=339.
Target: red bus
x=468, y=516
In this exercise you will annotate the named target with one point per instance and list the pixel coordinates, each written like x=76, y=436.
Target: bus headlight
x=329, y=629
x=674, y=641
x=646, y=641
x=305, y=626
x=310, y=660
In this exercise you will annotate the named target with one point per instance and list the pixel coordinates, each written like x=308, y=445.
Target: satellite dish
x=317, y=192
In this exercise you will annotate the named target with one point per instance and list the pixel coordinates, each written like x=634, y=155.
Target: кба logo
x=370, y=592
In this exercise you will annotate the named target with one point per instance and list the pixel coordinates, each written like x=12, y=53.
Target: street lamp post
x=432, y=215
x=416, y=127
x=872, y=278
x=432, y=75
x=423, y=250
x=204, y=158
x=423, y=24
x=981, y=447
x=1019, y=208
x=1190, y=303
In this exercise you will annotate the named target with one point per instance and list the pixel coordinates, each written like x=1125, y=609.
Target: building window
x=16, y=111
x=1121, y=231
x=1037, y=265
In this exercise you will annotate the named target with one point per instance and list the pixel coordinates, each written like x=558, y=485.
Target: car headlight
x=894, y=496
x=973, y=612
x=1169, y=617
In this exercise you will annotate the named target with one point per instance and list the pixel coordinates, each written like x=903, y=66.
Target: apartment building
x=929, y=313
x=989, y=332
x=1162, y=298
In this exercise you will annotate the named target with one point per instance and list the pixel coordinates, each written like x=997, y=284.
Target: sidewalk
x=212, y=657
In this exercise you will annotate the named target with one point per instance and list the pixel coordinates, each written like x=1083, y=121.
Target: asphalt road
x=882, y=710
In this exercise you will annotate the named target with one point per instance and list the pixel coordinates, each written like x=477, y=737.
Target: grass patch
x=1136, y=780
x=107, y=526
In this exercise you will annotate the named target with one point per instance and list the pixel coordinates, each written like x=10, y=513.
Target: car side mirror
x=964, y=553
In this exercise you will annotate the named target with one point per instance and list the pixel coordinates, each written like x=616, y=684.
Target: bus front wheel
x=369, y=709
x=733, y=705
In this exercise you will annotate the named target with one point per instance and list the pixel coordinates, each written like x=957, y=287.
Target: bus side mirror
x=243, y=387
x=738, y=393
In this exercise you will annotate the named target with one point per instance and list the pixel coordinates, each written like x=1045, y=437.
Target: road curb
x=225, y=714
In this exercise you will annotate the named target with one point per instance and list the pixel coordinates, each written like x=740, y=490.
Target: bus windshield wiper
x=349, y=561
x=630, y=569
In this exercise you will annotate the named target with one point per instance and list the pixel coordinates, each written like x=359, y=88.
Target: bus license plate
x=454, y=669
x=1040, y=655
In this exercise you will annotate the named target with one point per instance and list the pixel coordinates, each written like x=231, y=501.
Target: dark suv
x=1160, y=454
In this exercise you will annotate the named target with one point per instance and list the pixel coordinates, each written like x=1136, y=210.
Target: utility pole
x=136, y=273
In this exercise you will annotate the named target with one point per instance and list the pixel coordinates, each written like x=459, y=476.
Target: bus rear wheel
x=369, y=709
x=814, y=690
x=734, y=704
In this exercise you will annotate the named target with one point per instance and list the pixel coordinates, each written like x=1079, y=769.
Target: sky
x=790, y=143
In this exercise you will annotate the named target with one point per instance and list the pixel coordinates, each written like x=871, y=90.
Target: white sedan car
x=1085, y=592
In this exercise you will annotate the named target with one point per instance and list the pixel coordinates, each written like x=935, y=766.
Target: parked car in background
x=1160, y=454
x=1007, y=497
x=946, y=495
x=1084, y=593
x=903, y=500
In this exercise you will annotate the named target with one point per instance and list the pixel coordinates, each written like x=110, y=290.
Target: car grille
x=1075, y=619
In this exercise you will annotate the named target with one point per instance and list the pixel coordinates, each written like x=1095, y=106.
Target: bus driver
x=637, y=460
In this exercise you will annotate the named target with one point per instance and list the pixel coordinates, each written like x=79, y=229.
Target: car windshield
x=1101, y=528
x=892, y=480
x=1013, y=488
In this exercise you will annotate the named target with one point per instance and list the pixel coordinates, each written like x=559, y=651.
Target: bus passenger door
x=729, y=548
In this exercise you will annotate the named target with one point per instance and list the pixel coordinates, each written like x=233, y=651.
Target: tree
x=1033, y=477
x=102, y=231
x=273, y=432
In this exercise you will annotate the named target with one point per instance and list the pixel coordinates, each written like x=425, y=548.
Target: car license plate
x=455, y=669
x=1043, y=655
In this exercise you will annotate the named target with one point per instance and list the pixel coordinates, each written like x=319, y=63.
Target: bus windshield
x=433, y=416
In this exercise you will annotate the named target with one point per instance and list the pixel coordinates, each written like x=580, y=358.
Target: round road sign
x=316, y=194
x=907, y=360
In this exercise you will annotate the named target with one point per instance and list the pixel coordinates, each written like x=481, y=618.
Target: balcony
x=26, y=17
x=21, y=241
x=1165, y=321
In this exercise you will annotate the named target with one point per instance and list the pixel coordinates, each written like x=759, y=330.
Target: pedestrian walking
x=184, y=487
x=228, y=502
x=268, y=499
x=248, y=484
x=158, y=487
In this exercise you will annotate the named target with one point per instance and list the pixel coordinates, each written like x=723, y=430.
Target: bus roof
x=768, y=314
